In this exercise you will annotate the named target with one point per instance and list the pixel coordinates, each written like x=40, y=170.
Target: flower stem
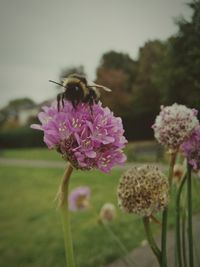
x=189, y=198
x=178, y=231
x=151, y=240
x=165, y=214
x=64, y=210
x=184, y=238
x=127, y=261
x=164, y=237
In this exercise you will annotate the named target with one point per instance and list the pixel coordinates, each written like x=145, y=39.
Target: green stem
x=164, y=237
x=65, y=216
x=178, y=231
x=128, y=262
x=151, y=240
x=189, y=198
x=196, y=249
x=184, y=238
x=165, y=214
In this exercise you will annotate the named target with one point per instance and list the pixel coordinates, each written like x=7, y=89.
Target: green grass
x=31, y=233
x=30, y=153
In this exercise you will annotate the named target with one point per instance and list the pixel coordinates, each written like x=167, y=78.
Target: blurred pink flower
x=191, y=149
x=79, y=198
x=174, y=125
x=86, y=139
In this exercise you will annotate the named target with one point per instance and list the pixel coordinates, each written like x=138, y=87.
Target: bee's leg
x=91, y=110
x=62, y=99
x=91, y=102
x=95, y=99
x=58, y=101
x=74, y=103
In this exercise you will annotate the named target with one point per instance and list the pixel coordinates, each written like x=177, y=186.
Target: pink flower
x=86, y=139
x=191, y=149
x=79, y=198
x=174, y=125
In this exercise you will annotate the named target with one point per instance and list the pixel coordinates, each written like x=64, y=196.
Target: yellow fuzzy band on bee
x=71, y=80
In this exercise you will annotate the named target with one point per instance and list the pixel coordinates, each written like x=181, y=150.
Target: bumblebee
x=77, y=90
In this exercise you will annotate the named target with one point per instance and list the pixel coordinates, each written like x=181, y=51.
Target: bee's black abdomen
x=74, y=94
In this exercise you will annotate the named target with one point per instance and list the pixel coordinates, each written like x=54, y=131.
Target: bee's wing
x=98, y=86
x=65, y=81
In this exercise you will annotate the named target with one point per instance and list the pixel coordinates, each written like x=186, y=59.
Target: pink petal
x=37, y=127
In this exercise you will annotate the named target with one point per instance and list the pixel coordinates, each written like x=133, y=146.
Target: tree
x=20, y=103
x=117, y=71
x=146, y=94
x=10, y=112
x=178, y=75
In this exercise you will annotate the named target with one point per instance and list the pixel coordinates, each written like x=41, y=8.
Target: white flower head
x=174, y=124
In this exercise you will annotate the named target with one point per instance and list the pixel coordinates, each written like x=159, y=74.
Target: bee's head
x=74, y=90
x=73, y=87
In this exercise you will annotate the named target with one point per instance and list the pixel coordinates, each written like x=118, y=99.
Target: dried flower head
x=174, y=124
x=107, y=213
x=143, y=190
x=191, y=149
x=79, y=198
x=86, y=139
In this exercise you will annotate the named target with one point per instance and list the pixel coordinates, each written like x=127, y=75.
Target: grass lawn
x=30, y=153
x=31, y=233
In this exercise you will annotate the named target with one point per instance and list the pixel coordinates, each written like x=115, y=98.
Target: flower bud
x=108, y=212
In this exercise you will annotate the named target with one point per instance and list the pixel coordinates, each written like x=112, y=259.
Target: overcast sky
x=40, y=37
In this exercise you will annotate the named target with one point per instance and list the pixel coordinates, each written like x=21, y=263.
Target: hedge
x=21, y=137
x=136, y=128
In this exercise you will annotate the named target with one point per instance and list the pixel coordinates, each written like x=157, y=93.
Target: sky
x=38, y=38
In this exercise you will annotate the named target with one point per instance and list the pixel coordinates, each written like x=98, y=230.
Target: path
x=143, y=256
x=56, y=164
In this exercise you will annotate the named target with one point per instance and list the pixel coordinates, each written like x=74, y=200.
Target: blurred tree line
x=164, y=72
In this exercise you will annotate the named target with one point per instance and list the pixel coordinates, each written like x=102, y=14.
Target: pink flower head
x=191, y=149
x=174, y=125
x=79, y=198
x=88, y=139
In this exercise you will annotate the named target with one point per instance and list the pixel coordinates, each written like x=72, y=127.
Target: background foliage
x=164, y=72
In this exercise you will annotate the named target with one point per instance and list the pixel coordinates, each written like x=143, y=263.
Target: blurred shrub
x=145, y=151
x=21, y=137
x=138, y=127
x=11, y=123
